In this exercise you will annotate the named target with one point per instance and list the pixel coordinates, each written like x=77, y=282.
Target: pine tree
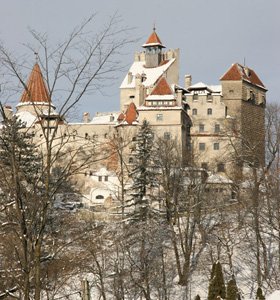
x=232, y=290
x=260, y=295
x=143, y=175
x=217, y=284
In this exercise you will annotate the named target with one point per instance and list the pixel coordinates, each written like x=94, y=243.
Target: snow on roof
x=152, y=74
x=109, y=118
x=104, y=172
x=218, y=178
x=161, y=97
x=159, y=108
x=215, y=88
x=199, y=85
x=26, y=117
x=202, y=85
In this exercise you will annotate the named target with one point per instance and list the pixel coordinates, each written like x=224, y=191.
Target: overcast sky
x=211, y=34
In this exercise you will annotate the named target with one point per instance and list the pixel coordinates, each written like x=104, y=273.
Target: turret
x=153, y=47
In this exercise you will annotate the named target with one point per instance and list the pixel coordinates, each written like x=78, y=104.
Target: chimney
x=188, y=81
x=86, y=117
x=129, y=77
x=179, y=97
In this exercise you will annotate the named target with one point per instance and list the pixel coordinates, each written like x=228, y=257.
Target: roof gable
x=162, y=87
x=36, y=90
x=239, y=72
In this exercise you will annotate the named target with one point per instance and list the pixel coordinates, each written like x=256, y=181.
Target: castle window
x=134, y=139
x=216, y=146
x=217, y=128
x=130, y=160
x=99, y=197
x=159, y=117
x=195, y=97
x=209, y=97
x=209, y=111
x=201, y=146
x=106, y=178
x=221, y=167
x=194, y=112
x=167, y=135
x=252, y=96
x=86, y=135
x=201, y=127
x=99, y=178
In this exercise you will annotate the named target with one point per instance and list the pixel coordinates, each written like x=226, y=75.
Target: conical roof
x=36, y=90
x=153, y=40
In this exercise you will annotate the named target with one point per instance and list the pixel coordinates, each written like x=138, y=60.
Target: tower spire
x=36, y=57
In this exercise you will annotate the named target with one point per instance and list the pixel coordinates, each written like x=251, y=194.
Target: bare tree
x=76, y=66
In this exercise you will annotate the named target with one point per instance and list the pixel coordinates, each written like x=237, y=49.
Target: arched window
x=99, y=197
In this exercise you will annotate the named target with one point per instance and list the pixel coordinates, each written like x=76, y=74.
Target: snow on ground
x=274, y=296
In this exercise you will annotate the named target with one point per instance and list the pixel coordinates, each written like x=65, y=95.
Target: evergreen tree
x=260, y=295
x=143, y=175
x=217, y=284
x=232, y=290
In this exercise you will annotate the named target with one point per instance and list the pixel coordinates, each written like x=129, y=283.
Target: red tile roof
x=162, y=87
x=239, y=72
x=130, y=115
x=121, y=117
x=36, y=89
x=153, y=40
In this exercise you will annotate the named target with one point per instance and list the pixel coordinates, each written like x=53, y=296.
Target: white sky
x=211, y=34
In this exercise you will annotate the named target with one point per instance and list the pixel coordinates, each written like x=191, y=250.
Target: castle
x=218, y=128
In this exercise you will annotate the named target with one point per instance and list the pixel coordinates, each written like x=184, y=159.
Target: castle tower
x=153, y=47
x=244, y=96
x=148, y=66
x=35, y=98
